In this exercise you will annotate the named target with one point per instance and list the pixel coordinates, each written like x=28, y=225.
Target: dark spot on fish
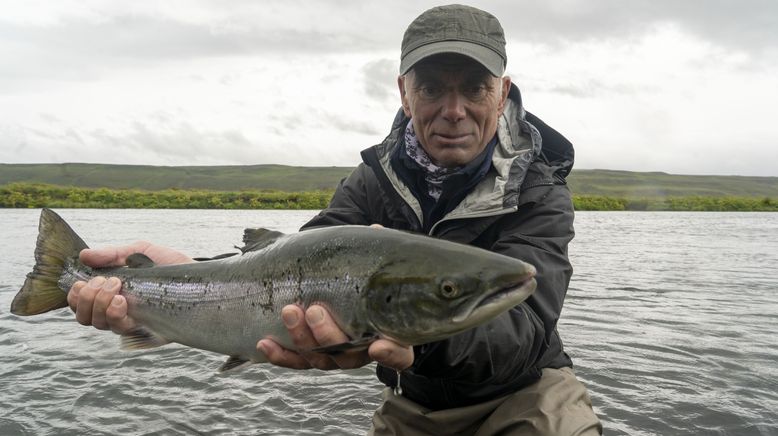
x=388, y=299
x=356, y=287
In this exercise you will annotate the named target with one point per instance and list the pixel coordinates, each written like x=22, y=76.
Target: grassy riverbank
x=27, y=195
x=677, y=204
x=23, y=195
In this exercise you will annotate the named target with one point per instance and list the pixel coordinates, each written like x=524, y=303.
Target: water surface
x=670, y=320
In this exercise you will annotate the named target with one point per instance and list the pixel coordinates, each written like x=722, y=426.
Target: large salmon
x=375, y=282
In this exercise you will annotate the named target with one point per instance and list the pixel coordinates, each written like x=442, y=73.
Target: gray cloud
x=380, y=79
x=144, y=142
x=594, y=88
x=114, y=84
x=356, y=126
x=78, y=48
x=750, y=25
x=134, y=37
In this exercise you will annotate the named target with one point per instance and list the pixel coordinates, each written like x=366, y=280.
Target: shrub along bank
x=23, y=195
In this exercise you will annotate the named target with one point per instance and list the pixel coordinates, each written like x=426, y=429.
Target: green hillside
x=155, y=178
x=609, y=183
x=641, y=185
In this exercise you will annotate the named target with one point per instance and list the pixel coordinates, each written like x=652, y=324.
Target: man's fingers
x=323, y=327
x=391, y=354
x=73, y=294
x=308, y=330
x=277, y=355
x=102, y=301
x=116, y=316
x=295, y=321
x=326, y=332
x=97, y=303
x=86, y=298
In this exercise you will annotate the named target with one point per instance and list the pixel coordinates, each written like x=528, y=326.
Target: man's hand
x=315, y=327
x=97, y=302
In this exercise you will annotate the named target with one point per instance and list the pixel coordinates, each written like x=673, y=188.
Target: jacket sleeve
x=523, y=340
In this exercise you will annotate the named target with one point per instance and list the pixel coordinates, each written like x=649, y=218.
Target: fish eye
x=449, y=289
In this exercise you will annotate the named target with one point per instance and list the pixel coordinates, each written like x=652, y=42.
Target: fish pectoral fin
x=141, y=338
x=234, y=363
x=356, y=344
x=139, y=260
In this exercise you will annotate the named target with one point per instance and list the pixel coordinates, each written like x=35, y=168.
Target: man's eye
x=430, y=91
x=475, y=91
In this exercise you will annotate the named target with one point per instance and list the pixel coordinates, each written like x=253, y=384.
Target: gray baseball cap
x=456, y=29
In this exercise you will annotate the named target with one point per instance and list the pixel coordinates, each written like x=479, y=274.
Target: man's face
x=455, y=104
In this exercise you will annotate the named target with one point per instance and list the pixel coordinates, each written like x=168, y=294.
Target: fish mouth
x=497, y=301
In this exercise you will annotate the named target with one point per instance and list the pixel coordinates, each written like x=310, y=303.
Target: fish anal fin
x=141, y=338
x=356, y=344
x=139, y=260
x=234, y=363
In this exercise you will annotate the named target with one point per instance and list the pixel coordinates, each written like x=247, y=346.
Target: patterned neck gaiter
x=433, y=174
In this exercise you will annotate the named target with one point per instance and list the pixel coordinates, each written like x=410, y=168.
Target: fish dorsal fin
x=139, y=260
x=256, y=239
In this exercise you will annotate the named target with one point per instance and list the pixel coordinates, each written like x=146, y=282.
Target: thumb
x=111, y=256
x=391, y=354
x=100, y=257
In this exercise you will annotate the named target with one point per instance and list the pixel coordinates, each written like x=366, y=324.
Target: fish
x=376, y=283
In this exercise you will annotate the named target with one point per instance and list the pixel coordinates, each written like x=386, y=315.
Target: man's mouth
x=452, y=139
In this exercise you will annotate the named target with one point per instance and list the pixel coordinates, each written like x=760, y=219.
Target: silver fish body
x=374, y=282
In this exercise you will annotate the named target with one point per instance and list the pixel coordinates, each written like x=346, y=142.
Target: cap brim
x=487, y=57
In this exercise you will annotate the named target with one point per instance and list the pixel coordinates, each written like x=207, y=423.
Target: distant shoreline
x=295, y=179
x=32, y=195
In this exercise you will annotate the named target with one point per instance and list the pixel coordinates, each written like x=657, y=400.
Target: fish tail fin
x=57, y=243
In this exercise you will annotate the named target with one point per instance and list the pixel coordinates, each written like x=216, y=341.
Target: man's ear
x=505, y=83
x=403, y=95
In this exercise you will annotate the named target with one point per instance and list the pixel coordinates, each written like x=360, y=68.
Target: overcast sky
x=685, y=87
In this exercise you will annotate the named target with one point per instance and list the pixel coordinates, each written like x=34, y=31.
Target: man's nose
x=453, y=107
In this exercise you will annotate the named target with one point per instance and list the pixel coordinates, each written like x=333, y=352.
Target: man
x=463, y=162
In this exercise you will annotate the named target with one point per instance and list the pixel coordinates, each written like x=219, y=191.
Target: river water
x=671, y=320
